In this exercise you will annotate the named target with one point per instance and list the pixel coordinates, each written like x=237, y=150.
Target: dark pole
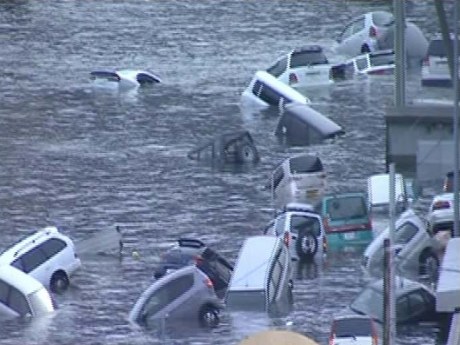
x=445, y=32
x=455, y=120
x=386, y=293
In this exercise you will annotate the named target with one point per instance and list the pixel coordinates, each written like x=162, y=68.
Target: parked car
x=415, y=249
x=346, y=219
x=22, y=295
x=265, y=90
x=302, y=231
x=47, y=255
x=435, y=68
x=378, y=62
x=185, y=294
x=125, y=78
x=300, y=178
x=361, y=34
x=354, y=330
x=415, y=302
x=262, y=278
x=230, y=147
x=190, y=251
x=303, y=67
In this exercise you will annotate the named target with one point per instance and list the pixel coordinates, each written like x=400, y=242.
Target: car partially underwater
x=230, y=147
x=124, y=78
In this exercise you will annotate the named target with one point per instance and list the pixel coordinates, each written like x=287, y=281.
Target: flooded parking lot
x=88, y=159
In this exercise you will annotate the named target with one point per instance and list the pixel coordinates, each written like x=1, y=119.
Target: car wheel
x=365, y=49
x=59, y=282
x=429, y=265
x=306, y=246
x=246, y=154
x=209, y=316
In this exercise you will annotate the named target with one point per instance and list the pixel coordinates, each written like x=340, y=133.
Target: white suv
x=47, y=255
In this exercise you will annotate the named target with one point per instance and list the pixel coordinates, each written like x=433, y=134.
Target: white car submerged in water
x=303, y=67
x=125, y=78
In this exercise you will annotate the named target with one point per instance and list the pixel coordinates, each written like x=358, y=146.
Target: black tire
x=209, y=316
x=306, y=246
x=365, y=49
x=246, y=153
x=59, y=282
x=429, y=265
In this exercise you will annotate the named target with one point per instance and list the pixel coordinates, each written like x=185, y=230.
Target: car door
x=34, y=262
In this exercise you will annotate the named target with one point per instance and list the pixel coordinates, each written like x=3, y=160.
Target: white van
x=261, y=278
x=300, y=178
x=21, y=295
x=266, y=90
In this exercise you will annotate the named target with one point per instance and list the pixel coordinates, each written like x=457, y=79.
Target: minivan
x=261, y=279
x=21, y=295
x=300, y=178
x=346, y=219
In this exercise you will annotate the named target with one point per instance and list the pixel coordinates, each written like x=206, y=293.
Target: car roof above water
x=250, y=269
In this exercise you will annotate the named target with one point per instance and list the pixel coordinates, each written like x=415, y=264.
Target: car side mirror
x=397, y=249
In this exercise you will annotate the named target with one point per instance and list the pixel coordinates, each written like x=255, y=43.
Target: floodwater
x=88, y=159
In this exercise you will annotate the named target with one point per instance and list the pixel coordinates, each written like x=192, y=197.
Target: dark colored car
x=189, y=251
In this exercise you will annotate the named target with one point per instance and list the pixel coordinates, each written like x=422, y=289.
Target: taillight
x=331, y=340
x=375, y=340
x=441, y=205
x=372, y=32
x=208, y=283
x=426, y=61
x=287, y=238
x=327, y=228
x=293, y=79
x=198, y=260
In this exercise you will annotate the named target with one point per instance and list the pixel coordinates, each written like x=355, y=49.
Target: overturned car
x=231, y=147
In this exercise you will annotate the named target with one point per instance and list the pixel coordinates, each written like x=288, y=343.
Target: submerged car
x=21, y=295
x=415, y=249
x=186, y=294
x=362, y=33
x=265, y=90
x=231, y=147
x=302, y=231
x=47, y=255
x=415, y=302
x=354, y=330
x=303, y=67
x=262, y=278
x=125, y=78
x=346, y=219
x=378, y=62
x=190, y=251
x=300, y=178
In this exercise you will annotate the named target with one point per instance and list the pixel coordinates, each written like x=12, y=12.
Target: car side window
x=18, y=302
x=32, y=259
x=358, y=25
x=257, y=88
x=4, y=289
x=402, y=309
x=347, y=32
x=405, y=233
x=18, y=264
x=52, y=246
x=270, y=96
x=278, y=68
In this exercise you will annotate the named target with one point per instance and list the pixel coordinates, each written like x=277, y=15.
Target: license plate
x=313, y=192
x=349, y=235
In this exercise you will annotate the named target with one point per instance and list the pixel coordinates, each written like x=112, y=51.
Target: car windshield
x=305, y=164
x=381, y=18
x=369, y=302
x=278, y=67
x=359, y=327
x=308, y=58
x=351, y=207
